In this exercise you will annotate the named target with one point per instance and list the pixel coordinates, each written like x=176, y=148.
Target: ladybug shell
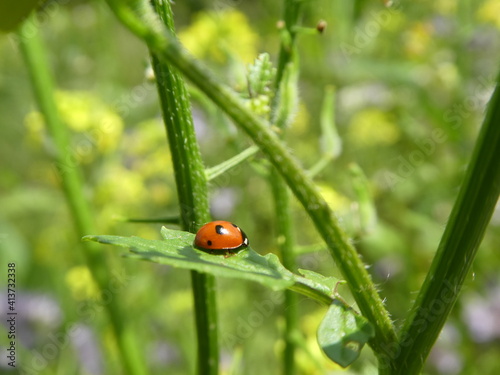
x=220, y=237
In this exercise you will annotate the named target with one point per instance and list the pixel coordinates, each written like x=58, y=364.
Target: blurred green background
x=412, y=81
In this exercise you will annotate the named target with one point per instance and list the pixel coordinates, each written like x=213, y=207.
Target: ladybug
x=220, y=238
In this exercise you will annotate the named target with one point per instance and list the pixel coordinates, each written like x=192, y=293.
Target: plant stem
x=288, y=51
x=226, y=165
x=191, y=184
x=286, y=243
x=342, y=251
x=306, y=290
x=468, y=221
x=320, y=165
x=72, y=183
x=281, y=195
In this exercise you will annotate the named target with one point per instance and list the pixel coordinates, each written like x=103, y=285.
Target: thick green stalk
x=468, y=221
x=281, y=195
x=191, y=184
x=71, y=180
x=339, y=245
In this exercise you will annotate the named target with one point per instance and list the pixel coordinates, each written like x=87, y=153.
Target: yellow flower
x=130, y=186
x=490, y=12
x=85, y=113
x=97, y=128
x=35, y=126
x=373, y=127
x=446, y=7
x=80, y=282
x=218, y=35
x=336, y=201
x=300, y=123
x=418, y=39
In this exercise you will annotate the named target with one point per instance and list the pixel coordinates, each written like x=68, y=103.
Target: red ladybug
x=220, y=238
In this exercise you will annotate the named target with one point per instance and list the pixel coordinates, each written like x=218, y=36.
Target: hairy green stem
x=72, y=183
x=465, y=229
x=191, y=184
x=340, y=247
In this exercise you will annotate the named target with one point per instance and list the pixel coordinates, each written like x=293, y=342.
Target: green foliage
x=177, y=250
x=405, y=115
x=343, y=333
x=43, y=87
x=260, y=76
x=471, y=214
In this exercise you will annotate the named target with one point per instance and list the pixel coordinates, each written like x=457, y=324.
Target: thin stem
x=174, y=220
x=320, y=165
x=225, y=166
x=342, y=251
x=306, y=249
x=288, y=52
x=191, y=190
x=468, y=221
x=281, y=194
x=286, y=243
x=311, y=293
x=72, y=183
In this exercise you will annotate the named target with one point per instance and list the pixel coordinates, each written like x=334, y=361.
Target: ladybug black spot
x=209, y=243
x=220, y=229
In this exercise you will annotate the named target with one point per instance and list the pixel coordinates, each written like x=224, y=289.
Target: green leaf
x=176, y=250
x=343, y=333
x=317, y=281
